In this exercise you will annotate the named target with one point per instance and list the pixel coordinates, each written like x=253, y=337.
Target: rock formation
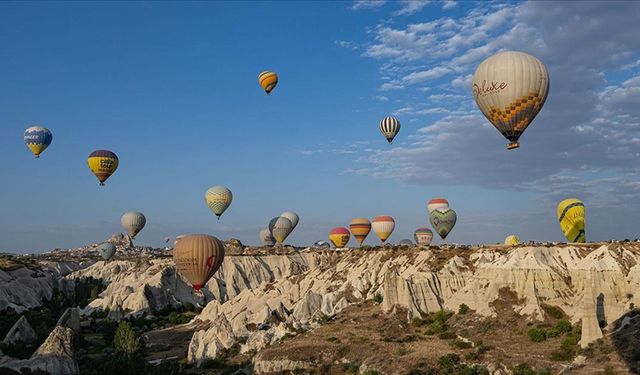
x=55, y=356
x=21, y=331
x=70, y=318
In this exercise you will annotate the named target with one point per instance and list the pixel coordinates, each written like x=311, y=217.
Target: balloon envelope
x=512, y=240
x=106, y=250
x=383, y=227
x=133, y=222
x=443, y=221
x=197, y=258
x=218, y=199
x=268, y=80
x=423, y=236
x=266, y=238
x=571, y=215
x=510, y=88
x=389, y=127
x=360, y=228
x=103, y=163
x=436, y=203
x=406, y=241
x=292, y=216
x=321, y=244
x=37, y=139
x=339, y=236
x=280, y=228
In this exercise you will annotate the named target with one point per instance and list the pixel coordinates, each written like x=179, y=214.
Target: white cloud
x=382, y=98
x=410, y=7
x=367, y=4
x=449, y=4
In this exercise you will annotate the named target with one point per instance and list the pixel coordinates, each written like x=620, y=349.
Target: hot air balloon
x=423, y=236
x=268, y=80
x=266, y=238
x=292, y=216
x=321, y=244
x=198, y=257
x=106, y=250
x=339, y=236
x=511, y=240
x=510, y=88
x=436, y=203
x=280, y=228
x=133, y=222
x=406, y=242
x=37, y=139
x=360, y=228
x=103, y=164
x=389, y=126
x=218, y=199
x=443, y=221
x=572, y=216
x=383, y=227
x=177, y=239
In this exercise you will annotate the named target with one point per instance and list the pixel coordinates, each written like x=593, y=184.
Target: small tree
x=125, y=340
x=94, y=293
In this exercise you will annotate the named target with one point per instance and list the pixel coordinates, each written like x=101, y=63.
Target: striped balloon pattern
x=280, y=228
x=389, y=126
x=37, y=139
x=266, y=238
x=321, y=244
x=443, y=221
x=360, y=228
x=268, y=80
x=133, y=222
x=510, y=88
x=106, y=250
x=292, y=216
x=512, y=240
x=383, y=226
x=218, y=199
x=197, y=258
x=436, y=203
x=571, y=215
x=103, y=163
x=423, y=236
x=339, y=237
x=405, y=242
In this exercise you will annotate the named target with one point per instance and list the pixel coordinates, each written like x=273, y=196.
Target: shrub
x=460, y=344
x=333, y=339
x=537, y=334
x=351, y=368
x=463, y=309
x=371, y=372
x=553, y=311
x=417, y=322
x=378, y=298
x=523, y=369
x=442, y=315
x=343, y=350
x=449, y=362
x=609, y=371
x=402, y=350
x=563, y=326
x=125, y=340
x=471, y=356
x=448, y=335
x=436, y=327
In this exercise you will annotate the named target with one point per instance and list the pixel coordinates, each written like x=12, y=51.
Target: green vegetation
x=351, y=368
x=537, y=334
x=371, y=372
x=125, y=340
x=377, y=298
x=451, y=364
x=463, y=309
x=609, y=371
x=553, y=311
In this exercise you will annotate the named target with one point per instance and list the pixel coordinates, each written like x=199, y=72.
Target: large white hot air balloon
x=510, y=88
x=133, y=222
x=292, y=216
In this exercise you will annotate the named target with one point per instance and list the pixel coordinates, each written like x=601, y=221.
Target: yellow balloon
x=512, y=240
x=103, y=164
x=571, y=214
x=268, y=80
x=510, y=88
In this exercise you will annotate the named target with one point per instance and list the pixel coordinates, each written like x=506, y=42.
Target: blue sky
x=172, y=89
